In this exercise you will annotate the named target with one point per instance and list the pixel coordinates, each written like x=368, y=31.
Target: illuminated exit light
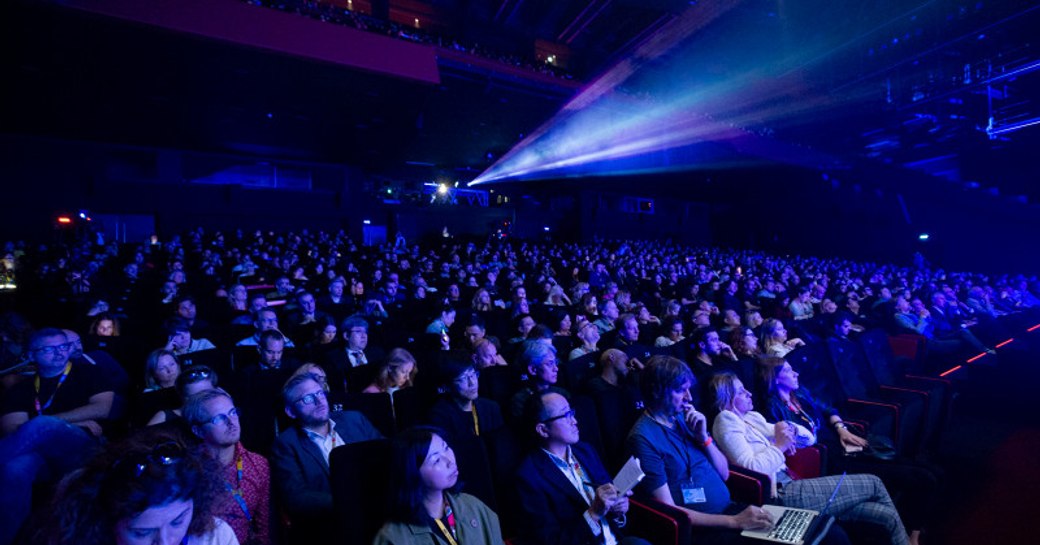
x=923, y=236
x=1034, y=328
x=64, y=219
x=976, y=358
x=947, y=372
x=1005, y=343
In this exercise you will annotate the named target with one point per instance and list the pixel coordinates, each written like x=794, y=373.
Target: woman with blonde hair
x=397, y=372
x=775, y=341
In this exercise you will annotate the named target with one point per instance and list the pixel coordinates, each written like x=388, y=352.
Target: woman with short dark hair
x=426, y=504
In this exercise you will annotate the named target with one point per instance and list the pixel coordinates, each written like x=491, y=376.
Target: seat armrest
x=658, y=523
x=749, y=486
x=878, y=405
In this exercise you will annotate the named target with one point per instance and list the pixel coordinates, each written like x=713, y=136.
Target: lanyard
x=449, y=530
x=237, y=491
x=476, y=422
x=679, y=446
x=64, y=375
x=574, y=469
x=800, y=413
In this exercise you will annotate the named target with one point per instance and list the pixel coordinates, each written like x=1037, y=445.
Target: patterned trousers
x=861, y=498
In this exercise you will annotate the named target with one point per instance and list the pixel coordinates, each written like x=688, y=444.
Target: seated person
x=461, y=412
x=589, y=336
x=774, y=339
x=257, y=388
x=397, y=372
x=300, y=456
x=179, y=338
x=443, y=322
x=247, y=478
x=356, y=353
x=50, y=424
x=627, y=339
x=266, y=319
x=160, y=370
x=427, y=504
x=615, y=391
x=485, y=354
x=543, y=369
x=672, y=332
x=565, y=493
x=748, y=441
x=683, y=466
x=191, y=381
x=149, y=488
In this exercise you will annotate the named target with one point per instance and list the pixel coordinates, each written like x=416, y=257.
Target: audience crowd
x=527, y=371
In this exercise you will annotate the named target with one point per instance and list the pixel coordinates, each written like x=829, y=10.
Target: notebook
x=797, y=526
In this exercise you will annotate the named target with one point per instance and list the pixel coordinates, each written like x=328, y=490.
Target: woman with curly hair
x=149, y=488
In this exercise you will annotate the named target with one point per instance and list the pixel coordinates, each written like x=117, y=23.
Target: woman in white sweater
x=748, y=441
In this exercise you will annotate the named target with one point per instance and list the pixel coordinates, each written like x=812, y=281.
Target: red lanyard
x=449, y=530
x=64, y=375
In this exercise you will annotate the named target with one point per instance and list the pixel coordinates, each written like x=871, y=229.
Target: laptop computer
x=797, y=526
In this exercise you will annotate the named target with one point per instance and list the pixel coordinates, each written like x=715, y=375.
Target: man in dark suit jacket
x=565, y=493
x=356, y=364
x=300, y=457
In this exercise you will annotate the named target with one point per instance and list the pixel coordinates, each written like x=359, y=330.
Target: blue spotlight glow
x=703, y=91
x=923, y=236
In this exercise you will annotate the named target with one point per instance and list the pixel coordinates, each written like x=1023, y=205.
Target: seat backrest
x=850, y=366
x=377, y=408
x=475, y=469
x=359, y=474
x=577, y=372
x=588, y=421
x=816, y=373
x=498, y=384
x=880, y=357
x=805, y=463
x=408, y=407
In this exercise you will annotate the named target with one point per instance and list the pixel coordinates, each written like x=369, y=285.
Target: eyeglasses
x=312, y=398
x=568, y=414
x=163, y=454
x=53, y=349
x=198, y=374
x=222, y=419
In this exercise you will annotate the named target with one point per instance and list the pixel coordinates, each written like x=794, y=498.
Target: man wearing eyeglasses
x=50, y=423
x=214, y=420
x=565, y=492
x=300, y=456
x=462, y=413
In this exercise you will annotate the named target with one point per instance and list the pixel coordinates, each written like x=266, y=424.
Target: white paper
x=629, y=476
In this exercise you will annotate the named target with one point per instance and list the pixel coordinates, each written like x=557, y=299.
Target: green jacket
x=476, y=524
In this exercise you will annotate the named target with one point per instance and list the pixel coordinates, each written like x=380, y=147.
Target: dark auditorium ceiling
x=914, y=88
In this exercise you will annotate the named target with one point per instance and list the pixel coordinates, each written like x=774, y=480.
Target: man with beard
x=214, y=420
x=300, y=456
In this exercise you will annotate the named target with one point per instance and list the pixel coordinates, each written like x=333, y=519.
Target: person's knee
x=20, y=469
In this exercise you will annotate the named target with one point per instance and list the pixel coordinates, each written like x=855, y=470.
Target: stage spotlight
x=442, y=189
x=923, y=236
